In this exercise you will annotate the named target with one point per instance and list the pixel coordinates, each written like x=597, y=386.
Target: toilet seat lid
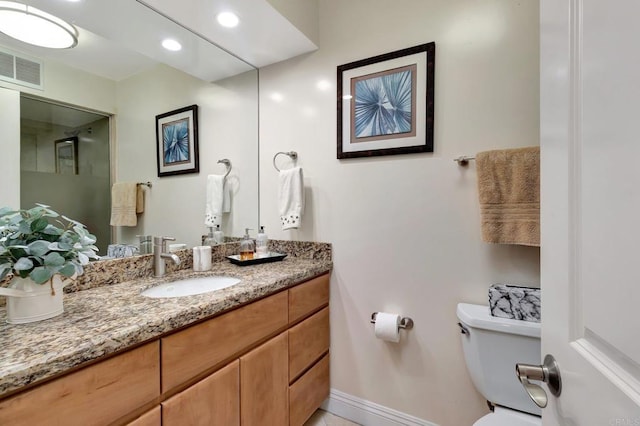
x=505, y=417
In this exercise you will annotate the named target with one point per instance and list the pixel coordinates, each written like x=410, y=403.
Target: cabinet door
x=214, y=400
x=152, y=417
x=264, y=384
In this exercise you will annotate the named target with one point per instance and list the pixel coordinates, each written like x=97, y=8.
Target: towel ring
x=292, y=154
x=228, y=165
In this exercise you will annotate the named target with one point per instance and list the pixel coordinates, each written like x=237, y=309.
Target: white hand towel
x=226, y=197
x=123, y=204
x=215, y=200
x=291, y=197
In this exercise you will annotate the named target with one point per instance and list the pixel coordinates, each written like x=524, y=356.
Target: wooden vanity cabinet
x=265, y=363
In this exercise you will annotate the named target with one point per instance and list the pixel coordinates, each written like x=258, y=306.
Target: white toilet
x=492, y=347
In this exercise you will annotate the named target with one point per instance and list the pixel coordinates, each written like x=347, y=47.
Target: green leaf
x=52, y=230
x=39, y=225
x=25, y=227
x=59, y=246
x=41, y=274
x=67, y=270
x=18, y=251
x=23, y=264
x=53, y=259
x=39, y=247
x=83, y=258
x=6, y=211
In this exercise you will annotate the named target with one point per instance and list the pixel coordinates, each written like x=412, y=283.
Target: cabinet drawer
x=190, y=352
x=308, y=297
x=97, y=395
x=308, y=392
x=307, y=342
x=214, y=400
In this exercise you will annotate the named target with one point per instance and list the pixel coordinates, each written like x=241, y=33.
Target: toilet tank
x=492, y=347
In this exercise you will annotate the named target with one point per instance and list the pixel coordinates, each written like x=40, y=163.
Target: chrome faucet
x=160, y=255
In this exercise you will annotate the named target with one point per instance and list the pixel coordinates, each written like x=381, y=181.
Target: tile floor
x=323, y=418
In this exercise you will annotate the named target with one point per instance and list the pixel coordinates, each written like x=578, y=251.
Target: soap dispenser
x=262, y=243
x=246, y=246
x=218, y=236
x=209, y=239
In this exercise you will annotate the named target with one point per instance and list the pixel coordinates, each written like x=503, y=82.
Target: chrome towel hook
x=292, y=154
x=228, y=165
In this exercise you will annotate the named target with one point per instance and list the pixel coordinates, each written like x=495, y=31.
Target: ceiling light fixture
x=171, y=44
x=33, y=26
x=228, y=19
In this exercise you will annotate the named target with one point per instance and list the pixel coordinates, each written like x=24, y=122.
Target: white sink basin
x=190, y=287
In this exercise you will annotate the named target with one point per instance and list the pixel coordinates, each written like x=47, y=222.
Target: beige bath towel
x=509, y=193
x=139, y=199
x=123, y=204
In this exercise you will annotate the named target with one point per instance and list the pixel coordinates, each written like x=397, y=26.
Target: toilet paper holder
x=405, y=322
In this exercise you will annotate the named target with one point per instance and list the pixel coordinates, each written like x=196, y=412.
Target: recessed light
x=228, y=19
x=171, y=44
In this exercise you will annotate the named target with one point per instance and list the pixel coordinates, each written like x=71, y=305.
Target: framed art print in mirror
x=67, y=156
x=386, y=103
x=177, y=141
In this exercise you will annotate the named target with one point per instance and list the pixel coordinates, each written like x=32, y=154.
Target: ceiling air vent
x=19, y=69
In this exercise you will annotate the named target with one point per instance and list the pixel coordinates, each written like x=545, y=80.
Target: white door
x=590, y=180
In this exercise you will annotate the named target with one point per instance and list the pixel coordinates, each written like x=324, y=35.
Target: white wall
x=74, y=87
x=10, y=148
x=227, y=126
x=405, y=229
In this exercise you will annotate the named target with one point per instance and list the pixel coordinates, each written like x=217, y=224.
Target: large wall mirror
x=118, y=79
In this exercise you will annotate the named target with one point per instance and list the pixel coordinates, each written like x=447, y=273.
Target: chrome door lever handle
x=548, y=372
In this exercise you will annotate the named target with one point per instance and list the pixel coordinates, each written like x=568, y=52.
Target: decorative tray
x=271, y=257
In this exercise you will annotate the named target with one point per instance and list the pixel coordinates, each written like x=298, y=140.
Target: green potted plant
x=36, y=252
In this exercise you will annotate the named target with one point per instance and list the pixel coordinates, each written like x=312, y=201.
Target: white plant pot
x=30, y=302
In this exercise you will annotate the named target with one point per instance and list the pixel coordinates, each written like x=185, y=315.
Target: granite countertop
x=103, y=320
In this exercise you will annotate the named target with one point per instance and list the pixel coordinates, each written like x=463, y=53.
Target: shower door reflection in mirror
x=64, y=163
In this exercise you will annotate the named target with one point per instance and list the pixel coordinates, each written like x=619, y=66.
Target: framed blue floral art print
x=386, y=103
x=177, y=141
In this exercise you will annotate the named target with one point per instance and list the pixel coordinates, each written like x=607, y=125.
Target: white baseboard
x=368, y=413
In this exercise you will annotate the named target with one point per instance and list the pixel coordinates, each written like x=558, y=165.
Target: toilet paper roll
x=387, y=327
x=202, y=258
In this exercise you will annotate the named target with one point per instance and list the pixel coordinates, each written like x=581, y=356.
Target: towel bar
x=405, y=322
x=463, y=160
x=144, y=183
x=292, y=154
x=228, y=164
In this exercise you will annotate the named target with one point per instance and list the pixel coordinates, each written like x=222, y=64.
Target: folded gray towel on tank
x=515, y=302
